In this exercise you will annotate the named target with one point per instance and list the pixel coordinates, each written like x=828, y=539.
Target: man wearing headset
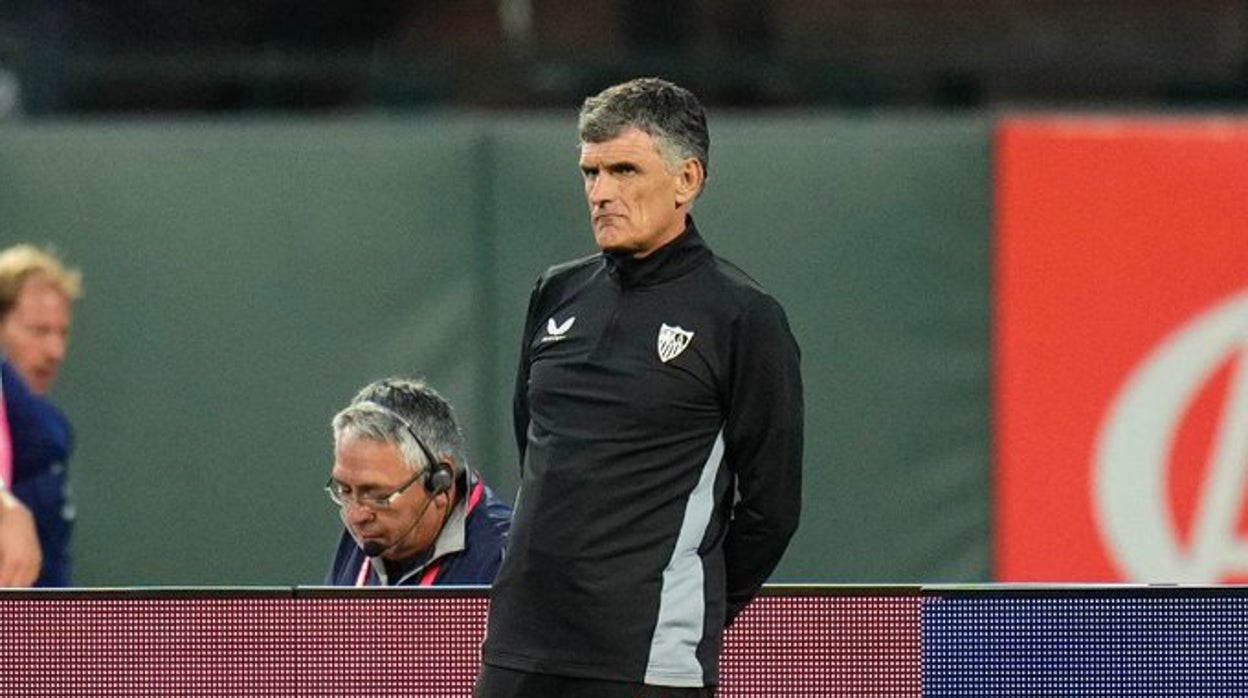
x=414, y=513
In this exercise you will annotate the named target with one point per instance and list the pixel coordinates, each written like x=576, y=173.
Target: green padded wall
x=245, y=277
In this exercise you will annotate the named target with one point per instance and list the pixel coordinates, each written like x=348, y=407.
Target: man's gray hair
x=669, y=113
x=384, y=411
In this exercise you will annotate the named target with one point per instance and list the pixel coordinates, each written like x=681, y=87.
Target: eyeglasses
x=373, y=502
x=368, y=501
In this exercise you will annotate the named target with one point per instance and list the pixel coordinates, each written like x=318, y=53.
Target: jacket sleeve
x=520, y=396
x=6, y=442
x=763, y=436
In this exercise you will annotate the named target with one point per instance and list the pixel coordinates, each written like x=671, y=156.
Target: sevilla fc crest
x=672, y=341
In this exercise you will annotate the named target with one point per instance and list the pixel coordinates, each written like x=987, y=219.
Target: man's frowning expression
x=637, y=203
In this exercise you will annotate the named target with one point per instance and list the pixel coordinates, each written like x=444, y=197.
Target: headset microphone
x=375, y=549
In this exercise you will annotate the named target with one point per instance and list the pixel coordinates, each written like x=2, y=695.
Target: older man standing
x=658, y=415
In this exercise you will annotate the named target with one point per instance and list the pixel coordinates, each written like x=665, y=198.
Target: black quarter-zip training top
x=658, y=413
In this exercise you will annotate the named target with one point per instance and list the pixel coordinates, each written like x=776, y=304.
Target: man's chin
x=609, y=240
x=362, y=541
x=41, y=383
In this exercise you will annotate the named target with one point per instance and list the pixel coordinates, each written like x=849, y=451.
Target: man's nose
x=55, y=347
x=355, y=513
x=601, y=189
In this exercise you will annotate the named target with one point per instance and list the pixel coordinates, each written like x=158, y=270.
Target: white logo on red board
x=1133, y=456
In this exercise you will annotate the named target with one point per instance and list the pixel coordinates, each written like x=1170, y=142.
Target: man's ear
x=444, y=497
x=689, y=181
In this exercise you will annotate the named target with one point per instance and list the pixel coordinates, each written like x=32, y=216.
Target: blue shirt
x=42, y=441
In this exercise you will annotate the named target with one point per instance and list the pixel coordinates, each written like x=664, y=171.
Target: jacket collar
x=673, y=260
x=451, y=539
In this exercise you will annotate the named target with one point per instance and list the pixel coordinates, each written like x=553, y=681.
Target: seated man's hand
x=20, y=555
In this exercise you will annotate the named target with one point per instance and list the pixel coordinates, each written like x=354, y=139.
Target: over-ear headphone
x=440, y=477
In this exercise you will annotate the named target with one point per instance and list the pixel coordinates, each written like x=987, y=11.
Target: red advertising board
x=1121, y=325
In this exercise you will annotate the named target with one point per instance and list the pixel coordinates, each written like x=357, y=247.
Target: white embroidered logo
x=556, y=331
x=672, y=341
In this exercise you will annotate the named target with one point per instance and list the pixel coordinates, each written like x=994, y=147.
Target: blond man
x=37, y=294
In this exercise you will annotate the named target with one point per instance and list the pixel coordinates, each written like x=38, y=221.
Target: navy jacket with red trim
x=484, y=534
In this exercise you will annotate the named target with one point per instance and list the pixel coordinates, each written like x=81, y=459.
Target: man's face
x=373, y=468
x=636, y=204
x=35, y=333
